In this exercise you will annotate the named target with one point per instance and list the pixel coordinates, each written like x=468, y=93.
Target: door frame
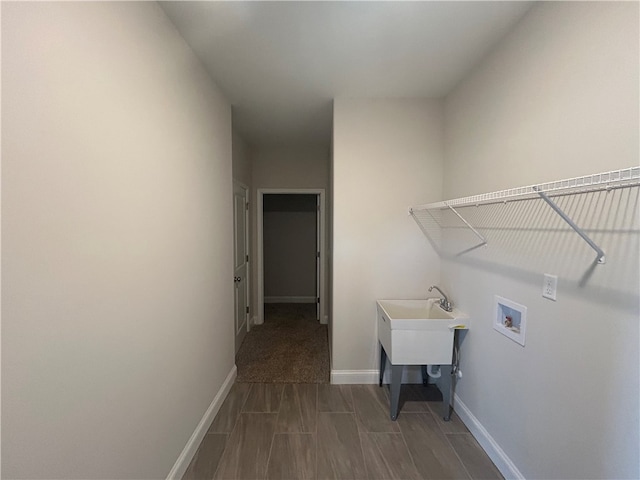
x=260, y=254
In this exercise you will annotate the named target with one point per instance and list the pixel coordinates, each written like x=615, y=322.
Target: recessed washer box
x=510, y=319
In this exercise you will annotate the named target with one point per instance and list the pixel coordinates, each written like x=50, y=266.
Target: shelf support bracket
x=483, y=241
x=599, y=252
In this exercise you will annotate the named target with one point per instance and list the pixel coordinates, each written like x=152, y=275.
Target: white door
x=240, y=262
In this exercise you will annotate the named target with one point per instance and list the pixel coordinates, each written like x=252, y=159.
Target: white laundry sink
x=418, y=332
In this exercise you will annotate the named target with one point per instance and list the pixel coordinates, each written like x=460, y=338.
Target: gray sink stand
x=444, y=384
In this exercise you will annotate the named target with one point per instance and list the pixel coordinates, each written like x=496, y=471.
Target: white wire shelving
x=624, y=178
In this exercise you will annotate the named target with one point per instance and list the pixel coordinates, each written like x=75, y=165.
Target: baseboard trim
x=289, y=299
x=189, y=450
x=507, y=468
x=411, y=374
x=351, y=377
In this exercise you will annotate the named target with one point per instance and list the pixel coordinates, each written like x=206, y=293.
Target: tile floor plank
x=226, y=418
x=293, y=457
x=205, y=461
x=476, y=461
x=387, y=457
x=304, y=432
x=298, y=406
x=454, y=425
x=431, y=452
x=372, y=409
x=339, y=453
x=335, y=398
x=248, y=447
x=263, y=398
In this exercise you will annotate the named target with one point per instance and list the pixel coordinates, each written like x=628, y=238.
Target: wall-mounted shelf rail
x=625, y=178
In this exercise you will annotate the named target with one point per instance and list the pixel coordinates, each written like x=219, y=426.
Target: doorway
x=291, y=248
x=288, y=341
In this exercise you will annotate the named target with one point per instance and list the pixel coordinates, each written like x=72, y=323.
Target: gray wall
x=557, y=99
x=289, y=250
x=116, y=241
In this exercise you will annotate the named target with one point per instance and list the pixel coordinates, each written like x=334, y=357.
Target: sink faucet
x=444, y=301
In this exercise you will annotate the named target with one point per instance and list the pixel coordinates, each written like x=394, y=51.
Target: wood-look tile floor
x=342, y=432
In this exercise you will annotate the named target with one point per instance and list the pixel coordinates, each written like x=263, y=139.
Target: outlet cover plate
x=550, y=286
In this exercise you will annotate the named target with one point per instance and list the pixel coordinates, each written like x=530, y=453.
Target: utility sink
x=418, y=332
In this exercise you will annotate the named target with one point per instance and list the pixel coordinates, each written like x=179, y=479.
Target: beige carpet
x=290, y=347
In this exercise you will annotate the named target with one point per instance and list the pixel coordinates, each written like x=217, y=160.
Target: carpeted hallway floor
x=290, y=347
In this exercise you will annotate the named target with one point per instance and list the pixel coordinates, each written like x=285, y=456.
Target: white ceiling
x=280, y=64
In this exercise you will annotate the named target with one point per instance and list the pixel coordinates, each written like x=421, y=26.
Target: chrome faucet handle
x=445, y=304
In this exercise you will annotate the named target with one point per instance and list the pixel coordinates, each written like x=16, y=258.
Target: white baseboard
x=182, y=463
x=489, y=445
x=411, y=374
x=353, y=377
x=324, y=320
x=289, y=299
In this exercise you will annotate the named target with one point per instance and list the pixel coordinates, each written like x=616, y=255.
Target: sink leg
x=383, y=362
x=445, y=388
x=396, y=384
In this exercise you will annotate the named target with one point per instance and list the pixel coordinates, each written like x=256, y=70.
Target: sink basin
x=419, y=314
x=418, y=332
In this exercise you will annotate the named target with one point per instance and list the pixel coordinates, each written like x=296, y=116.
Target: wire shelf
x=431, y=215
x=599, y=181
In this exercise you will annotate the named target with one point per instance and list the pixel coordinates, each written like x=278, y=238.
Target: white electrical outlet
x=549, y=286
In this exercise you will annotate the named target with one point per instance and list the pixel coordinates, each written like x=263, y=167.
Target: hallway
x=290, y=347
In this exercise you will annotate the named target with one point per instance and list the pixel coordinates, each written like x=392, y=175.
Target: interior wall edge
x=497, y=455
x=191, y=447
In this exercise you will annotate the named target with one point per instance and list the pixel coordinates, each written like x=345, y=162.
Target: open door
x=240, y=263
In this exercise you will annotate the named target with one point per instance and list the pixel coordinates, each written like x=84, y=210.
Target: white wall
x=558, y=98
x=241, y=160
x=296, y=167
x=387, y=155
x=117, y=241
